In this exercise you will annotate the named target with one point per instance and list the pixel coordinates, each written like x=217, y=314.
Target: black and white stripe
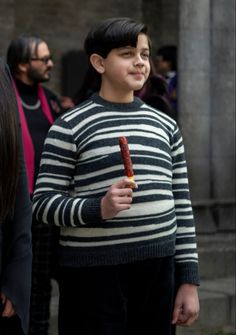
x=81, y=160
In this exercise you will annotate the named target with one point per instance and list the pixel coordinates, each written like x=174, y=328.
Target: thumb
x=125, y=182
x=176, y=314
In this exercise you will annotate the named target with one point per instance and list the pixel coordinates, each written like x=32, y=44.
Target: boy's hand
x=118, y=198
x=186, y=308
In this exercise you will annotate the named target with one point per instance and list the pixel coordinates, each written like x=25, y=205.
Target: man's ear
x=23, y=67
x=97, y=62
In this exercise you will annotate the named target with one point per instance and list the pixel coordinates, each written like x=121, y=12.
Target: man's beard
x=37, y=77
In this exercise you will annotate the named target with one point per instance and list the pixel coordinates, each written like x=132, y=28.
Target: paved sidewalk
x=217, y=303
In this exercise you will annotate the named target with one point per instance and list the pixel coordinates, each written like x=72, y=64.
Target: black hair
x=113, y=33
x=21, y=50
x=102, y=38
x=169, y=53
x=9, y=144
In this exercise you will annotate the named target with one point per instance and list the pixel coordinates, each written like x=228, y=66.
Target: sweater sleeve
x=53, y=201
x=186, y=256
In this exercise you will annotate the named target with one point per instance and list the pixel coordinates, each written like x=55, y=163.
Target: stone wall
x=7, y=23
x=64, y=24
x=162, y=18
x=223, y=112
x=207, y=108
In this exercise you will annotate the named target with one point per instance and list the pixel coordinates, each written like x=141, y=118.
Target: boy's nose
x=138, y=61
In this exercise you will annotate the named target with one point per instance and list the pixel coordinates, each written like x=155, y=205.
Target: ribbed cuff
x=91, y=211
x=187, y=273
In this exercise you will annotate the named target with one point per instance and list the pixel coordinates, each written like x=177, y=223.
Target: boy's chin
x=138, y=87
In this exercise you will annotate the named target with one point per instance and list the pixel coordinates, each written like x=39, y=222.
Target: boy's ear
x=97, y=62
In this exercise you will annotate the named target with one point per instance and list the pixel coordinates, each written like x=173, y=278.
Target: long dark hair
x=9, y=144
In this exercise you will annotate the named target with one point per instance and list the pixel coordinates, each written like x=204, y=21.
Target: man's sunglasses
x=44, y=60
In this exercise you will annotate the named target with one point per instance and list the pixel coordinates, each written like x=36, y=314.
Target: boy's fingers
x=126, y=182
x=176, y=313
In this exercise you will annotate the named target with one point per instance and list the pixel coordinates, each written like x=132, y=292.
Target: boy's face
x=125, y=70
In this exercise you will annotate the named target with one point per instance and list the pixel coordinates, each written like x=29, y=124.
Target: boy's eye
x=127, y=53
x=145, y=55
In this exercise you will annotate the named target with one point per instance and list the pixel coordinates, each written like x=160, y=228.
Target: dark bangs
x=113, y=33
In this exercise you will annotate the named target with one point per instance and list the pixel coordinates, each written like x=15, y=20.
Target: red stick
x=124, y=149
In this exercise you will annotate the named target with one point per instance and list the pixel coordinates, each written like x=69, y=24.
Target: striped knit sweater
x=82, y=159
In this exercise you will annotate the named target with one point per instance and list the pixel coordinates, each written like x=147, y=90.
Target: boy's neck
x=119, y=97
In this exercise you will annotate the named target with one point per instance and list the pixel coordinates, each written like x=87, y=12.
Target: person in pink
x=30, y=63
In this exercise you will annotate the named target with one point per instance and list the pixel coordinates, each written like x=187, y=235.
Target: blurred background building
x=204, y=32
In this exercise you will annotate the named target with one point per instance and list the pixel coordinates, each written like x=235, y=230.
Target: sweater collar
x=136, y=103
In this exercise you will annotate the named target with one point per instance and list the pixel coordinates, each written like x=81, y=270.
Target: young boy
x=123, y=248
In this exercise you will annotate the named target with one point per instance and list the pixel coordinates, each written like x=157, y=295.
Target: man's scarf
x=27, y=140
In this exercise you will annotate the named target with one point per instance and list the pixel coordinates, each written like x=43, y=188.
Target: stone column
x=194, y=102
x=223, y=112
